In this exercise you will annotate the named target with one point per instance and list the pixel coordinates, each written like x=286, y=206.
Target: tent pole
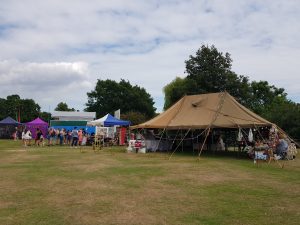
x=203, y=143
x=180, y=143
x=161, y=137
x=212, y=142
x=174, y=139
x=193, y=141
x=167, y=139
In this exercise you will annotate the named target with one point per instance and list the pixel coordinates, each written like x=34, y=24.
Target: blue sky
x=55, y=51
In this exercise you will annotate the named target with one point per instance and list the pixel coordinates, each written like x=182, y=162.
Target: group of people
x=62, y=136
x=73, y=138
x=262, y=142
x=260, y=149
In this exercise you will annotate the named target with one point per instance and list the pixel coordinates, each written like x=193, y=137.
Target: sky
x=54, y=51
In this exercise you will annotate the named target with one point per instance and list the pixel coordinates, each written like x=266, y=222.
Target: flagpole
x=19, y=117
x=49, y=116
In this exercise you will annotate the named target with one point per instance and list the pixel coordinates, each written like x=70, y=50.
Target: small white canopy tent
x=108, y=121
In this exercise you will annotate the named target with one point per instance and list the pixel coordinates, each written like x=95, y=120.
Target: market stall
x=8, y=127
x=104, y=127
x=37, y=123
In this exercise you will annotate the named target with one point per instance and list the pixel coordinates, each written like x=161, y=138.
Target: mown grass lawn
x=60, y=185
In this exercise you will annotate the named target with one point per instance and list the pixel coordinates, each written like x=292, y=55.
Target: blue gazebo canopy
x=109, y=121
x=9, y=121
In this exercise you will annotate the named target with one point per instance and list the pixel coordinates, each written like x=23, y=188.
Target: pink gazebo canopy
x=37, y=123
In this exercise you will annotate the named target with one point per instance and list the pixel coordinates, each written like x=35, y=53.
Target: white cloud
x=46, y=83
x=65, y=46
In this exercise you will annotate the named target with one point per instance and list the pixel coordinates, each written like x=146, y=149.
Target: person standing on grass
x=52, y=136
x=61, y=136
x=48, y=137
x=80, y=135
x=74, y=137
x=38, y=137
x=27, y=138
x=69, y=137
x=23, y=137
x=65, y=136
x=15, y=134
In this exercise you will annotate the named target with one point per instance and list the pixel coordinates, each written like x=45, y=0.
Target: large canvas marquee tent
x=214, y=110
x=204, y=112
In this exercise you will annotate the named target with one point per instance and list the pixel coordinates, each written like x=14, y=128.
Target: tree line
x=209, y=70
x=22, y=110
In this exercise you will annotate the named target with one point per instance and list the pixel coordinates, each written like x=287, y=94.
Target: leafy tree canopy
x=286, y=114
x=13, y=105
x=263, y=96
x=175, y=90
x=134, y=117
x=110, y=95
x=209, y=69
x=207, y=72
x=62, y=106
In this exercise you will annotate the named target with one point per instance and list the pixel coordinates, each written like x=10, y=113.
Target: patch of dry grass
x=60, y=185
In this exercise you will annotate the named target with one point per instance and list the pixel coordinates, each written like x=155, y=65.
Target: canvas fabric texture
x=215, y=110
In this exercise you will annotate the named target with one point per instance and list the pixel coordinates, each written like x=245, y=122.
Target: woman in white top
x=23, y=137
x=27, y=137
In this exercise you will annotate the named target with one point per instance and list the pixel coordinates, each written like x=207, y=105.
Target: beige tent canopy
x=214, y=110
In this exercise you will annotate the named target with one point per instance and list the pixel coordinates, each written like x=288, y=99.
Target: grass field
x=60, y=185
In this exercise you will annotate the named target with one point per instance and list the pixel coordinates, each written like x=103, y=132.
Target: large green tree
x=29, y=110
x=46, y=116
x=3, y=112
x=110, y=95
x=286, y=114
x=134, y=117
x=175, y=90
x=209, y=69
x=207, y=72
x=62, y=106
x=14, y=106
x=263, y=96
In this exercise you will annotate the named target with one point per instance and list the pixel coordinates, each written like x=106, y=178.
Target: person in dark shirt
x=38, y=135
x=74, y=137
